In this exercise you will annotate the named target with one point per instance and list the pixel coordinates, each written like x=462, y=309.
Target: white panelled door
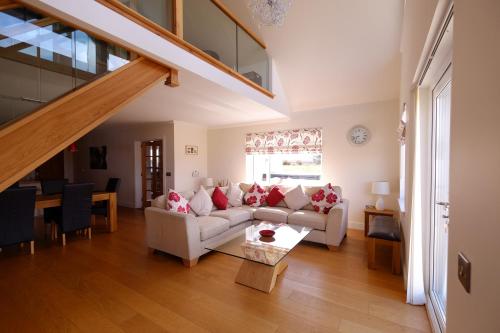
x=441, y=109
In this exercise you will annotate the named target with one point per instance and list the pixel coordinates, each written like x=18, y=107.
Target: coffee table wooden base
x=259, y=276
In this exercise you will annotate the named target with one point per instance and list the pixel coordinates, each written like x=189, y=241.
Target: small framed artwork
x=191, y=150
x=98, y=158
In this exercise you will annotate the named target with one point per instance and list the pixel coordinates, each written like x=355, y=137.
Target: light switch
x=464, y=271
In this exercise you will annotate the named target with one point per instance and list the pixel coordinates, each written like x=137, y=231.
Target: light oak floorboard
x=113, y=283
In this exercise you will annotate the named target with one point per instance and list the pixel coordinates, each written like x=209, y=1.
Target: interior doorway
x=151, y=170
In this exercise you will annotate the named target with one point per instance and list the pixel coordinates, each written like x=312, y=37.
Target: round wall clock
x=358, y=135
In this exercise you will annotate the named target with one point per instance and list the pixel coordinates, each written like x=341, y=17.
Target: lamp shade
x=381, y=188
x=208, y=182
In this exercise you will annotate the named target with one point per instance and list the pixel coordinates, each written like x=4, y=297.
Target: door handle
x=445, y=204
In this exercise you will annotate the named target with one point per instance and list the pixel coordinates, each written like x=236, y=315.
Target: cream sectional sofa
x=187, y=235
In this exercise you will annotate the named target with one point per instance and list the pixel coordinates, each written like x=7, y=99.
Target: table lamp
x=380, y=189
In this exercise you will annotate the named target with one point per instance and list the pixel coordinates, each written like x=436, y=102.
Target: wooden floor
x=113, y=284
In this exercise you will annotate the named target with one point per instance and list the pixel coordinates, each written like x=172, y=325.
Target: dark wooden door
x=152, y=171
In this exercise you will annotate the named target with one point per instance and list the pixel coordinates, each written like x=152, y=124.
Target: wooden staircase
x=32, y=140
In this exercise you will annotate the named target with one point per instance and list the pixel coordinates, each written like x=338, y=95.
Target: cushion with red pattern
x=219, y=199
x=275, y=196
x=177, y=203
x=323, y=200
x=256, y=196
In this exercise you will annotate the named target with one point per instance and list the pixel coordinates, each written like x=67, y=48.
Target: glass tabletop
x=249, y=244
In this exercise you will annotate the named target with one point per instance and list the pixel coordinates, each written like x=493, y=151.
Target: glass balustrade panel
x=209, y=29
x=253, y=62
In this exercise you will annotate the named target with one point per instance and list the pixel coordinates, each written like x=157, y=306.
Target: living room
x=255, y=166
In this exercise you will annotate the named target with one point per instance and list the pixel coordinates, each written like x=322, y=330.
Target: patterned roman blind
x=305, y=140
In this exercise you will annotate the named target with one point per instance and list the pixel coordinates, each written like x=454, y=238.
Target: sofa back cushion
x=296, y=198
x=275, y=196
x=161, y=201
x=177, y=203
x=256, y=196
x=219, y=199
x=201, y=203
x=235, y=195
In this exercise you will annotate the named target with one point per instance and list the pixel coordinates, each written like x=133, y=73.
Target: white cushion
x=211, y=226
x=324, y=199
x=255, y=196
x=161, y=200
x=201, y=203
x=272, y=214
x=307, y=218
x=235, y=215
x=235, y=195
x=296, y=198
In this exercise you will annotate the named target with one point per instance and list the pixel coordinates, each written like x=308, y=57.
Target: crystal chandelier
x=269, y=12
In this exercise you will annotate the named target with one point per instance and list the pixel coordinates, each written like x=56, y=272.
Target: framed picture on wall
x=98, y=158
x=191, y=150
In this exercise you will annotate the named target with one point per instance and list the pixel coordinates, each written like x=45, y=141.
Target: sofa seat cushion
x=307, y=218
x=249, y=209
x=272, y=214
x=234, y=215
x=211, y=226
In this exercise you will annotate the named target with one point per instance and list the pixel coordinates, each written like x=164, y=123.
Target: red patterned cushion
x=219, y=199
x=177, y=203
x=323, y=200
x=256, y=196
x=274, y=196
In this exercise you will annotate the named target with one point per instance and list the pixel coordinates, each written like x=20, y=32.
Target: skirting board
x=356, y=225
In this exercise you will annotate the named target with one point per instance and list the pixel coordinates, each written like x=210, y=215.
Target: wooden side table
x=374, y=212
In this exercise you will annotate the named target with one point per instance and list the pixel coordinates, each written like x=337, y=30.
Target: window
x=288, y=168
x=291, y=156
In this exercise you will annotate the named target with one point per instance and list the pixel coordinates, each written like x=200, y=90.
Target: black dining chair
x=49, y=187
x=17, y=211
x=100, y=207
x=76, y=209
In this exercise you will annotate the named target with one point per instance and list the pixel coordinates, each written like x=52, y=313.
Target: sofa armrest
x=172, y=232
x=336, y=223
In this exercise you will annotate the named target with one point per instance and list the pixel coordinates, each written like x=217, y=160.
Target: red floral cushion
x=219, y=199
x=256, y=196
x=323, y=200
x=274, y=196
x=177, y=203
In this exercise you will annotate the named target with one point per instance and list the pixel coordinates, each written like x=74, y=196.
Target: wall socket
x=464, y=272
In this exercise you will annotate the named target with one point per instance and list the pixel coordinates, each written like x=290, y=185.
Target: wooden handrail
x=136, y=17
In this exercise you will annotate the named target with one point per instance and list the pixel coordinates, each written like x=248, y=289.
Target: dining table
x=55, y=200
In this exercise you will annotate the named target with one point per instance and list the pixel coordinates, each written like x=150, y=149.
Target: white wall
x=475, y=165
x=353, y=168
x=121, y=141
x=124, y=156
x=186, y=165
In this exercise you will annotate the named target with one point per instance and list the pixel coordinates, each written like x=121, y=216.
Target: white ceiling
x=334, y=52
x=328, y=53
x=195, y=100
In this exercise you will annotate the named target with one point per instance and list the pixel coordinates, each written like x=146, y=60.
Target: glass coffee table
x=263, y=256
